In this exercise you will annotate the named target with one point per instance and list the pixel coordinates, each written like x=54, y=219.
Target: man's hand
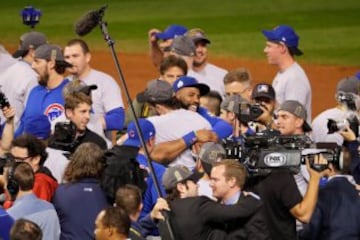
x=319, y=159
x=205, y=135
x=152, y=35
x=9, y=113
x=348, y=134
x=161, y=204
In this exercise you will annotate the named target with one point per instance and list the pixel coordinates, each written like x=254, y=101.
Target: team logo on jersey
x=54, y=110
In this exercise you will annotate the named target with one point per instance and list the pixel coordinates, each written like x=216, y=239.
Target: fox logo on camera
x=275, y=159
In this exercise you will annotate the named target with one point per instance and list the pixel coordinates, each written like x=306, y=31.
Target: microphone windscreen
x=86, y=23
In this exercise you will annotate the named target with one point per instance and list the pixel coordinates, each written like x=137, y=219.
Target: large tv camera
x=267, y=151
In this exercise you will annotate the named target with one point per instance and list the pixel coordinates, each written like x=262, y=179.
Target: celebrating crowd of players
x=51, y=190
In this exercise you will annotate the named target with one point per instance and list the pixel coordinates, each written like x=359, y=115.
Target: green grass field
x=329, y=29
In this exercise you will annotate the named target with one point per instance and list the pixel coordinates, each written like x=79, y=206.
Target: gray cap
x=232, y=103
x=156, y=91
x=349, y=85
x=51, y=52
x=211, y=152
x=29, y=40
x=197, y=34
x=174, y=175
x=296, y=108
x=183, y=45
x=77, y=85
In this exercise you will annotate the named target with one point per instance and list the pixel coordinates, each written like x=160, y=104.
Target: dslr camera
x=64, y=137
x=335, y=126
x=249, y=112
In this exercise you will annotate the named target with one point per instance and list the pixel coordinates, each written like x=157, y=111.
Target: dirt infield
x=137, y=70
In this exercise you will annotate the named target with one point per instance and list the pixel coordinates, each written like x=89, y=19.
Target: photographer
x=263, y=94
x=230, y=110
x=77, y=111
x=353, y=146
x=337, y=212
x=347, y=94
x=278, y=189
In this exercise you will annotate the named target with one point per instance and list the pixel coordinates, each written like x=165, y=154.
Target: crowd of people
x=190, y=134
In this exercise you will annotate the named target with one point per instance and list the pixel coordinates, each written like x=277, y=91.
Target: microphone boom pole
x=169, y=234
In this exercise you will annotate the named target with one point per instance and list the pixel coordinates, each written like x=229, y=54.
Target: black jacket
x=194, y=218
x=253, y=227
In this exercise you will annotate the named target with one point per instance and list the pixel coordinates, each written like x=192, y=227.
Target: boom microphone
x=89, y=21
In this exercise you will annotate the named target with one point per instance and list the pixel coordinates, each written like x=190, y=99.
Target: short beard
x=199, y=64
x=43, y=81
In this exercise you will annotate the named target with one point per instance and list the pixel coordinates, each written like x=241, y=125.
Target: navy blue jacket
x=77, y=205
x=337, y=213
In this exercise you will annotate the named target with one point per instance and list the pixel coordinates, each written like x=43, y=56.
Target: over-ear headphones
x=12, y=183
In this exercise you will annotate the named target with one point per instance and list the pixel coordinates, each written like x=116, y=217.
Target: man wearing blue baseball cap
x=148, y=133
x=291, y=82
x=159, y=50
x=188, y=92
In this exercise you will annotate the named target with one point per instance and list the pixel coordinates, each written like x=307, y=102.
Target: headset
x=12, y=184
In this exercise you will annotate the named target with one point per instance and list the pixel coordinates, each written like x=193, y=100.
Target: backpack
x=121, y=168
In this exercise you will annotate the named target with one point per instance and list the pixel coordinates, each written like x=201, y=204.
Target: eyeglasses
x=19, y=159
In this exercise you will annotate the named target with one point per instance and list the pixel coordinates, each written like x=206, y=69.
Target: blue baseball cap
x=357, y=75
x=171, y=32
x=147, y=129
x=285, y=34
x=186, y=81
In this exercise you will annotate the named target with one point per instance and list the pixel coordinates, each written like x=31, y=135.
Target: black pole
x=103, y=26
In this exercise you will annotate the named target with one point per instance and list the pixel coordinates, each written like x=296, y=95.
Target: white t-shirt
x=212, y=76
x=56, y=163
x=174, y=125
x=319, y=126
x=205, y=189
x=293, y=84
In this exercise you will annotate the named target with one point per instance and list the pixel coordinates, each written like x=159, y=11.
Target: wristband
x=190, y=138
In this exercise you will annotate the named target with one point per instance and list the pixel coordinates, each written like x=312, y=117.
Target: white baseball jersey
x=212, y=76
x=174, y=125
x=16, y=83
x=293, y=84
x=319, y=126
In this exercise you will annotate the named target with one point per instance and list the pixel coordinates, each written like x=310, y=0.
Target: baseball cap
x=296, y=108
x=349, y=85
x=178, y=173
x=29, y=40
x=285, y=34
x=232, y=103
x=156, y=91
x=171, y=32
x=38, y=126
x=197, y=34
x=209, y=154
x=183, y=45
x=186, y=81
x=357, y=75
x=263, y=90
x=51, y=52
x=77, y=85
x=147, y=129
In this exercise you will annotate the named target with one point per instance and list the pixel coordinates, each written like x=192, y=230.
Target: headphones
x=12, y=184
